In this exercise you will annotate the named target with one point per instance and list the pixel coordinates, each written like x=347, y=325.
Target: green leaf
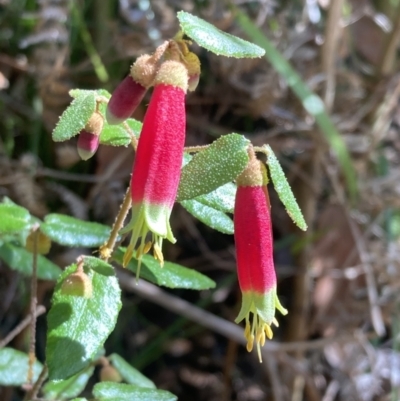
x=99, y=266
x=215, y=40
x=70, y=231
x=13, y=218
x=211, y=217
x=79, y=399
x=14, y=367
x=311, y=102
x=75, y=116
x=108, y=391
x=213, y=167
x=283, y=189
x=55, y=390
x=20, y=259
x=116, y=135
x=222, y=199
x=129, y=373
x=171, y=275
x=78, y=326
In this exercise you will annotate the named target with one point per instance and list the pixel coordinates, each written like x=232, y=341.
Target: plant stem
x=32, y=342
x=107, y=249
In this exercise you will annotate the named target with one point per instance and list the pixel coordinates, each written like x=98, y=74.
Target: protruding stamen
x=268, y=331
x=158, y=254
x=250, y=342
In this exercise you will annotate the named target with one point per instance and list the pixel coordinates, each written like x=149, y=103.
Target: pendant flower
x=158, y=161
x=89, y=137
x=254, y=253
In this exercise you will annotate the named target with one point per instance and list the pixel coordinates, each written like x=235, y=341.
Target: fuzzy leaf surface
x=69, y=231
x=129, y=373
x=75, y=116
x=108, y=391
x=171, y=275
x=215, y=40
x=208, y=215
x=283, y=189
x=20, y=259
x=14, y=367
x=78, y=326
x=13, y=218
x=116, y=135
x=213, y=167
x=55, y=390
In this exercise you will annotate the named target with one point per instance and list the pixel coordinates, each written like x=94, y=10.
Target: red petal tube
x=124, y=100
x=158, y=161
x=253, y=239
x=87, y=144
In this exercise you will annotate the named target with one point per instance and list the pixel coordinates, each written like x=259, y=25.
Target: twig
x=332, y=35
x=32, y=394
x=390, y=49
x=25, y=323
x=32, y=342
x=221, y=326
x=107, y=249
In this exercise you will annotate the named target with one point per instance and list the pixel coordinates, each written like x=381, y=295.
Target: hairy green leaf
x=283, y=189
x=75, y=116
x=61, y=389
x=215, y=40
x=222, y=199
x=129, y=373
x=213, y=167
x=13, y=218
x=211, y=217
x=14, y=367
x=70, y=231
x=170, y=275
x=117, y=135
x=20, y=259
x=108, y=391
x=78, y=326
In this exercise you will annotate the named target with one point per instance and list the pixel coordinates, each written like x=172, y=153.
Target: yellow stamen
x=250, y=343
x=158, y=254
x=268, y=331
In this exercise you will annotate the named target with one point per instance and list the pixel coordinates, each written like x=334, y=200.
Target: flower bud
x=77, y=284
x=89, y=137
x=43, y=242
x=109, y=374
x=130, y=92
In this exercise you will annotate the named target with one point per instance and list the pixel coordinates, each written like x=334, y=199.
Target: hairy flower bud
x=89, y=137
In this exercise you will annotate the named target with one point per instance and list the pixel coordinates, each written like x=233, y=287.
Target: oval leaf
x=108, y=391
x=14, y=367
x=222, y=199
x=78, y=326
x=216, y=41
x=13, y=218
x=75, y=116
x=213, y=167
x=61, y=389
x=69, y=231
x=171, y=275
x=283, y=189
x=129, y=373
x=20, y=259
x=211, y=217
x=116, y=135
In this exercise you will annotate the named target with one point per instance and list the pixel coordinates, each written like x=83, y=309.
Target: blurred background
x=339, y=280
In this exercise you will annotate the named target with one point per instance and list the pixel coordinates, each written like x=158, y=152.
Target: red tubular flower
x=254, y=253
x=89, y=137
x=157, y=166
